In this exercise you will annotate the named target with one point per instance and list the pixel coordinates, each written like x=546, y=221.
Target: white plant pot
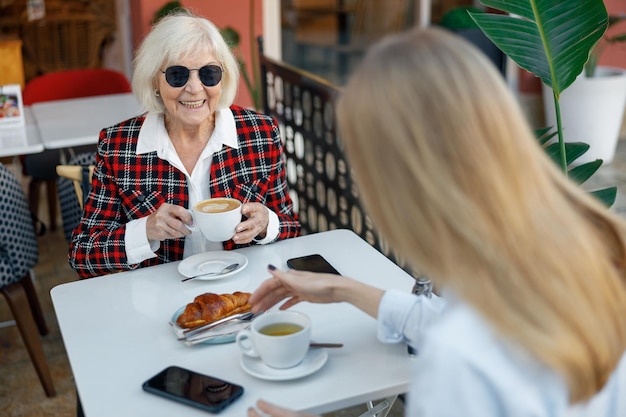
x=592, y=110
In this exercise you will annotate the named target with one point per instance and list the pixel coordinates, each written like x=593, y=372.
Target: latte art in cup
x=217, y=205
x=216, y=218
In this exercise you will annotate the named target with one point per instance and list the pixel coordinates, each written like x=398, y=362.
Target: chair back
x=81, y=178
x=74, y=184
x=75, y=83
x=318, y=174
x=71, y=35
x=18, y=243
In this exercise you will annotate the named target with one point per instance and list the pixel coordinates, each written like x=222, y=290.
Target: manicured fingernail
x=271, y=267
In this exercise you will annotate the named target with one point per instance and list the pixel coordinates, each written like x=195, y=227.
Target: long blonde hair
x=454, y=179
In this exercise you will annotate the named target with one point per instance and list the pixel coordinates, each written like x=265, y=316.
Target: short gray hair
x=175, y=36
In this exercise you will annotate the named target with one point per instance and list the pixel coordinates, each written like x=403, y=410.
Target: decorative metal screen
x=318, y=174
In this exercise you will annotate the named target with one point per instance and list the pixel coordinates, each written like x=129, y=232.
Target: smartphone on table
x=313, y=263
x=194, y=389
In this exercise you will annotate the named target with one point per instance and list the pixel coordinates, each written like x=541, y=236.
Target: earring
x=157, y=93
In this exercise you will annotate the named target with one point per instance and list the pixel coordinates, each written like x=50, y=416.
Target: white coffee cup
x=216, y=218
x=280, y=338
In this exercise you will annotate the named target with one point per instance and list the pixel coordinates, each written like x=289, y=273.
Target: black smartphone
x=313, y=263
x=194, y=389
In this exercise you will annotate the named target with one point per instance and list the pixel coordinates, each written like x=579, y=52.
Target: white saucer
x=215, y=261
x=312, y=362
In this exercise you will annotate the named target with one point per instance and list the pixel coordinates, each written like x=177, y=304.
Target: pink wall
x=615, y=55
x=223, y=13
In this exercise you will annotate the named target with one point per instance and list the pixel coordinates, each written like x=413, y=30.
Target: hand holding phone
x=312, y=263
x=193, y=389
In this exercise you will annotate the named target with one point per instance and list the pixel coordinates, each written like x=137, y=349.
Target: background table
x=21, y=140
x=76, y=122
x=116, y=332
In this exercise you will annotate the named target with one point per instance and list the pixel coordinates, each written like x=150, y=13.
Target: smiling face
x=191, y=106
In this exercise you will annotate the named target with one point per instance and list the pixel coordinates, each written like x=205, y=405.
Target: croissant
x=209, y=307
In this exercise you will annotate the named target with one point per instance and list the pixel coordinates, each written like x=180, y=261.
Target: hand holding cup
x=216, y=218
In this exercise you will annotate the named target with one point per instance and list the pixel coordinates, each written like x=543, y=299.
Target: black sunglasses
x=177, y=75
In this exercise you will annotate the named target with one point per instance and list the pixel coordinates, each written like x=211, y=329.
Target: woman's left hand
x=255, y=224
x=269, y=409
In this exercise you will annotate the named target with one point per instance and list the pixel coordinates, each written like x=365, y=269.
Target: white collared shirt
x=153, y=137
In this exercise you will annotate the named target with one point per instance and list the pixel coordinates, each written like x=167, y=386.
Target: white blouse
x=464, y=369
x=153, y=137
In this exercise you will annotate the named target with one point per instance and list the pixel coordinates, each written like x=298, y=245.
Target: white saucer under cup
x=312, y=362
x=213, y=261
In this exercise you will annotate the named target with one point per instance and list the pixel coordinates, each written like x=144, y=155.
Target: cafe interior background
x=104, y=33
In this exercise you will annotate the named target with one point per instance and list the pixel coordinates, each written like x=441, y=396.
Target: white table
x=75, y=122
x=21, y=140
x=117, y=335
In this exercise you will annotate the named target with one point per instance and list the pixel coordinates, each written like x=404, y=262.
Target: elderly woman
x=192, y=144
x=533, y=268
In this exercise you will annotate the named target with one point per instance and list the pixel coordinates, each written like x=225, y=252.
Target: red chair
x=75, y=83
x=60, y=85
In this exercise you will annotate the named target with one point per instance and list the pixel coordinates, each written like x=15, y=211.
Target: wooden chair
x=74, y=184
x=59, y=85
x=79, y=175
x=18, y=254
x=71, y=36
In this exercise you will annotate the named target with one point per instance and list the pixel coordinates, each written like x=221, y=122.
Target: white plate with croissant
x=210, y=263
x=209, y=308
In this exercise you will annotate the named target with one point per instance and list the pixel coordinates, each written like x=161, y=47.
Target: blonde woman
x=532, y=268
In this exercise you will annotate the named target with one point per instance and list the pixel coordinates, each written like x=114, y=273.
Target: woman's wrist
x=364, y=297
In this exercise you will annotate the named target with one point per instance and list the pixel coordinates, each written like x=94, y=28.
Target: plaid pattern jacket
x=127, y=186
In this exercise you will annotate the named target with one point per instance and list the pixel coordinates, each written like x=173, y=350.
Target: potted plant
x=592, y=108
x=531, y=34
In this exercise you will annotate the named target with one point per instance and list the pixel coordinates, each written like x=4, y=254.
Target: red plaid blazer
x=127, y=186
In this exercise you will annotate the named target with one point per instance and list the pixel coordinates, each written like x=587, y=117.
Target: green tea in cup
x=279, y=338
x=280, y=329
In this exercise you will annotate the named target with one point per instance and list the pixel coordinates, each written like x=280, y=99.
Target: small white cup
x=216, y=218
x=266, y=338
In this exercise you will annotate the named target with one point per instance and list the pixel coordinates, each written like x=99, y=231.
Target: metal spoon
x=325, y=345
x=226, y=270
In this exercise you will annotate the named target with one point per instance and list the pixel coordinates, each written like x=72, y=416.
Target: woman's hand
x=168, y=222
x=255, y=224
x=270, y=409
x=296, y=286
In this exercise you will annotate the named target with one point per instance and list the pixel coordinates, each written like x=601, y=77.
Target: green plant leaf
x=606, y=195
x=583, y=172
x=574, y=150
x=458, y=18
x=543, y=135
x=551, y=39
x=167, y=8
x=231, y=37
